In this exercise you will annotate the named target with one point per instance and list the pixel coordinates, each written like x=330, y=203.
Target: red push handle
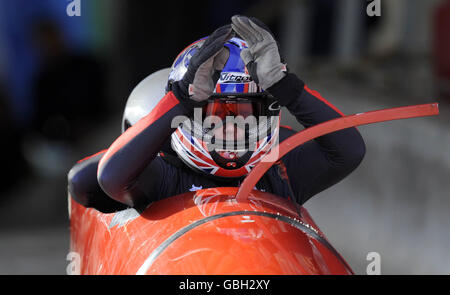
x=318, y=130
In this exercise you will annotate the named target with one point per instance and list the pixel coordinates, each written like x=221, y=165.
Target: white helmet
x=144, y=97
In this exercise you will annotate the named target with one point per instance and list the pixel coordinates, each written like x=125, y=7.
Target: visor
x=222, y=108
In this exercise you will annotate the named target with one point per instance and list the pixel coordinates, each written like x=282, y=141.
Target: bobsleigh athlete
x=236, y=72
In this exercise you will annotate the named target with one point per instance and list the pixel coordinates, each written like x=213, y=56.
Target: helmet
x=144, y=97
x=235, y=94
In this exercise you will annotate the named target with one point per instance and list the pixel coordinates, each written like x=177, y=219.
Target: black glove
x=198, y=83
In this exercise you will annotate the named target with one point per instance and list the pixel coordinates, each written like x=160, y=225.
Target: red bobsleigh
x=219, y=231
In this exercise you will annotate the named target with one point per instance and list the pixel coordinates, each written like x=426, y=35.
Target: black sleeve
x=128, y=172
x=84, y=188
x=320, y=163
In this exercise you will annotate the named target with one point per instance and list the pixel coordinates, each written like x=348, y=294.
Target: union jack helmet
x=235, y=96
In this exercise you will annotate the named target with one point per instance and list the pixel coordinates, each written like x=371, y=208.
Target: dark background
x=65, y=80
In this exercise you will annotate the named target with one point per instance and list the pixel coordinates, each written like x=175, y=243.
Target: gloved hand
x=262, y=57
x=198, y=83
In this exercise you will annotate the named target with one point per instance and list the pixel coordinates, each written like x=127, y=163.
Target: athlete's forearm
x=136, y=148
x=321, y=163
x=310, y=108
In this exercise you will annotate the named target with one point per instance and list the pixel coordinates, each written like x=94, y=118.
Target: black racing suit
x=133, y=173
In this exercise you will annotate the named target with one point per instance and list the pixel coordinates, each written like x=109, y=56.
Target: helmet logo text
x=234, y=78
